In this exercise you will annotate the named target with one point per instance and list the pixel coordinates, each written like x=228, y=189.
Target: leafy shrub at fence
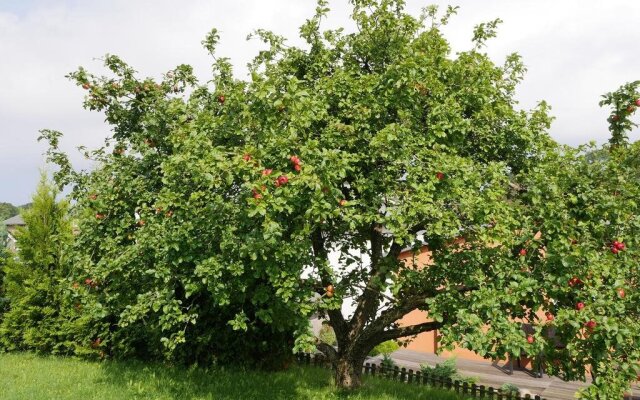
x=447, y=370
x=510, y=389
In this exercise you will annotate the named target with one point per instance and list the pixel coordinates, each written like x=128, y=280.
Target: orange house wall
x=427, y=342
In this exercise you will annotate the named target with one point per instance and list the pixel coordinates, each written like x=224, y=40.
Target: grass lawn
x=29, y=377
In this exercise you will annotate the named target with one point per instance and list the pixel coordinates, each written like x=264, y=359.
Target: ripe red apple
x=99, y=216
x=343, y=203
x=93, y=196
x=522, y=252
x=282, y=180
x=329, y=294
x=440, y=176
x=267, y=172
x=88, y=281
x=297, y=167
x=169, y=214
x=550, y=317
x=614, y=118
x=618, y=245
x=575, y=281
x=86, y=86
x=579, y=306
x=221, y=99
x=294, y=160
x=530, y=339
x=246, y=157
x=614, y=250
x=631, y=109
x=638, y=102
x=621, y=293
x=257, y=196
x=141, y=222
x=76, y=285
x=329, y=288
x=590, y=325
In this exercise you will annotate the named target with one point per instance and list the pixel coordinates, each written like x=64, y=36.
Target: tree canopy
x=231, y=197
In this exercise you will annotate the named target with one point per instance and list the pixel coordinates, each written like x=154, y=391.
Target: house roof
x=17, y=220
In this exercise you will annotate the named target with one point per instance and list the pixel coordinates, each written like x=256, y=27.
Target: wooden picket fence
x=412, y=377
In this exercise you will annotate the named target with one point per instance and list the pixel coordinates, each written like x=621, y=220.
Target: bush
x=447, y=370
x=510, y=388
x=387, y=362
x=327, y=335
x=387, y=347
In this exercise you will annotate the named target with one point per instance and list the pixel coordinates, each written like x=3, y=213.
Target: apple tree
x=256, y=203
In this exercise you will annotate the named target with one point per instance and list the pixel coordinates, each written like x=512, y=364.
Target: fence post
x=482, y=391
x=537, y=397
x=474, y=390
x=419, y=378
x=491, y=392
x=373, y=369
x=396, y=372
x=527, y=396
x=465, y=388
x=448, y=382
x=403, y=374
x=410, y=376
x=367, y=368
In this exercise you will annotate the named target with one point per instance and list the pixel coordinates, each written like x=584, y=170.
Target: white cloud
x=575, y=51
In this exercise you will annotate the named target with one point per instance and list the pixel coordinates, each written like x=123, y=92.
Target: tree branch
x=411, y=330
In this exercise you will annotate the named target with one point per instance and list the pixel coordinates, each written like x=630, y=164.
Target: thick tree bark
x=348, y=371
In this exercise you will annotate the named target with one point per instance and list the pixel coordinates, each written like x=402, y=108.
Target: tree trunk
x=348, y=371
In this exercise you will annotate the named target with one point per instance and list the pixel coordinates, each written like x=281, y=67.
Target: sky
x=575, y=50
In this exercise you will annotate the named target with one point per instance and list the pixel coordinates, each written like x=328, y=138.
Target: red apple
x=246, y=157
x=169, y=214
x=614, y=250
x=88, y=281
x=329, y=288
x=550, y=317
x=343, y=203
x=631, y=109
x=282, y=180
x=221, y=99
x=618, y=245
x=621, y=293
x=93, y=196
x=590, y=325
x=522, y=252
x=575, y=281
x=294, y=160
x=141, y=222
x=267, y=172
x=99, y=216
x=614, y=118
x=76, y=285
x=530, y=339
x=579, y=306
x=329, y=294
x=440, y=176
x=297, y=167
x=638, y=102
x=86, y=86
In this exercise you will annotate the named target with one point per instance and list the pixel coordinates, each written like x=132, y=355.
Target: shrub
x=510, y=388
x=387, y=363
x=387, y=347
x=447, y=369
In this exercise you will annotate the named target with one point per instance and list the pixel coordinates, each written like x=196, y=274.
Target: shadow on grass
x=157, y=381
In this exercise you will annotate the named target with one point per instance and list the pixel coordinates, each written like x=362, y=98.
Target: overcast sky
x=575, y=50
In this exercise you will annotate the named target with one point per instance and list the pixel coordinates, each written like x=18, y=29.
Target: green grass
x=29, y=377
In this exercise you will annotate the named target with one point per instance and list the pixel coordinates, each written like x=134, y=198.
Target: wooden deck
x=550, y=388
